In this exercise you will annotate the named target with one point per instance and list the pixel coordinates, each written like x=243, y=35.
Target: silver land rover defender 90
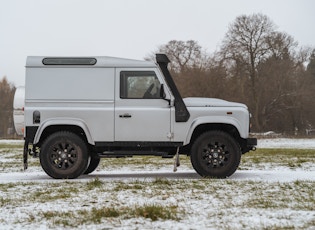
x=80, y=109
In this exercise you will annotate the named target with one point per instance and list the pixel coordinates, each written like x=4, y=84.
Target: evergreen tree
x=6, y=107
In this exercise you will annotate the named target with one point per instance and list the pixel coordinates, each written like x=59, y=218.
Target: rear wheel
x=215, y=154
x=64, y=155
x=94, y=162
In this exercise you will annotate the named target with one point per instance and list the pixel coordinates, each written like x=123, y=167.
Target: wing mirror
x=162, y=92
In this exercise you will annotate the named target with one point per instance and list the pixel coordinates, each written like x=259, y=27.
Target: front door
x=141, y=115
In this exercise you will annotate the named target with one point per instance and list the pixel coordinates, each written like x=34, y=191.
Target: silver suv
x=80, y=109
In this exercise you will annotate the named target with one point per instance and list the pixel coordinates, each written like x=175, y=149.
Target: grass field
x=161, y=202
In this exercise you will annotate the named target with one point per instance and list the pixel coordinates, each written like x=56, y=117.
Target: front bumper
x=249, y=145
x=252, y=142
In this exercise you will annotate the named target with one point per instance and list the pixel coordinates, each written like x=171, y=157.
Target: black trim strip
x=138, y=144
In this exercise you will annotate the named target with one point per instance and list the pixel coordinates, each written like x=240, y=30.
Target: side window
x=139, y=84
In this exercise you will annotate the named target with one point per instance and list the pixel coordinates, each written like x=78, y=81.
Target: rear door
x=140, y=114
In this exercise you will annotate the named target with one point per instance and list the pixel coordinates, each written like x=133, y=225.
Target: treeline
x=256, y=65
x=6, y=109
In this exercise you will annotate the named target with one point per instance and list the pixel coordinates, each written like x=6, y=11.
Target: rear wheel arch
x=73, y=125
x=49, y=130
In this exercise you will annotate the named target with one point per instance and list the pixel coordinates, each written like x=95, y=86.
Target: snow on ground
x=220, y=209
x=253, y=175
x=13, y=142
x=287, y=143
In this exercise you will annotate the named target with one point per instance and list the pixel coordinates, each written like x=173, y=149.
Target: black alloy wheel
x=64, y=155
x=215, y=154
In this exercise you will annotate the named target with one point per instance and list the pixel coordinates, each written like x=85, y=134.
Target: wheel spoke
x=215, y=154
x=63, y=155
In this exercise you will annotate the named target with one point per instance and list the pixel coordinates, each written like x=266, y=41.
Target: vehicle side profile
x=81, y=109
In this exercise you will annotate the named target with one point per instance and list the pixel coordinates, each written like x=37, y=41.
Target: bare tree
x=182, y=54
x=189, y=66
x=246, y=44
x=280, y=44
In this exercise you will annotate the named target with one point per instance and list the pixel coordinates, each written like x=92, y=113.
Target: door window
x=139, y=85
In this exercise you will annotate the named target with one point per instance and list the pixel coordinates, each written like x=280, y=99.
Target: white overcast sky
x=131, y=28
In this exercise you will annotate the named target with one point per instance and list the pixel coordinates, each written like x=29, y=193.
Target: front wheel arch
x=203, y=128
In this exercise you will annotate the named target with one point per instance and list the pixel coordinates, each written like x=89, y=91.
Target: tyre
x=94, y=162
x=215, y=154
x=64, y=155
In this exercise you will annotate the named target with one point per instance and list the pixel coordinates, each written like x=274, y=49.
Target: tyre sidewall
x=93, y=163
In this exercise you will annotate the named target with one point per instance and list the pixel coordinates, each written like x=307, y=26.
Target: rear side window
x=69, y=61
x=139, y=85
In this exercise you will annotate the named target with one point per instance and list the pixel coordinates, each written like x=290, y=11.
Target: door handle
x=126, y=115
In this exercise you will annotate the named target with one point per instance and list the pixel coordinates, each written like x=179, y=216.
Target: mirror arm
x=163, y=95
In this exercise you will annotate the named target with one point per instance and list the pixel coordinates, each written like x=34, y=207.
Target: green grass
x=97, y=201
x=101, y=202
x=11, y=159
x=96, y=183
x=10, y=146
x=153, y=212
x=291, y=158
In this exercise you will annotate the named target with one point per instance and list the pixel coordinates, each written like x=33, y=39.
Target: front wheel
x=215, y=154
x=64, y=155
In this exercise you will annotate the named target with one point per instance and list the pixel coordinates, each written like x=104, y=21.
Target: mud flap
x=25, y=154
x=176, y=160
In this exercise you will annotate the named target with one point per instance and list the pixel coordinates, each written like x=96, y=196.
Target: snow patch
x=287, y=143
